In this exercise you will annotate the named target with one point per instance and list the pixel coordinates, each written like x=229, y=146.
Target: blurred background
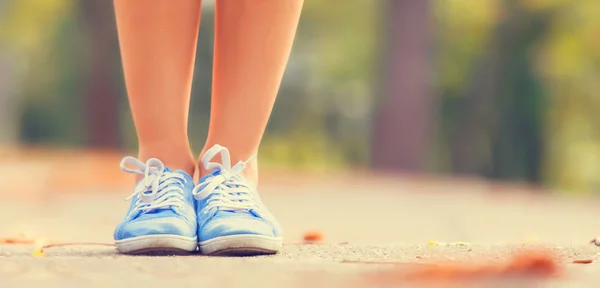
x=500, y=89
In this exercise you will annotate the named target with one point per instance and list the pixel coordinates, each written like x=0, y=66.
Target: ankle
x=250, y=173
x=174, y=164
x=173, y=157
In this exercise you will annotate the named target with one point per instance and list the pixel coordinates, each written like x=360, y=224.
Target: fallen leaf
x=540, y=263
x=313, y=243
x=527, y=264
x=312, y=237
x=583, y=261
x=39, y=252
x=16, y=241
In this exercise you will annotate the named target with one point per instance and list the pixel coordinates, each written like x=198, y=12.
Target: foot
x=232, y=220
x=161, y=218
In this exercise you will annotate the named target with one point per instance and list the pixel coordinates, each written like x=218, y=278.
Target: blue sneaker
x=161, y=218
x=232, y=220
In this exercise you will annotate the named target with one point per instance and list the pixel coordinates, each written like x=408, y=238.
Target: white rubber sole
x=163, y=244
x=241, y=245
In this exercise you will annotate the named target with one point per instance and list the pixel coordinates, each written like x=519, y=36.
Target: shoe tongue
x=215, y=173
x=210, y=175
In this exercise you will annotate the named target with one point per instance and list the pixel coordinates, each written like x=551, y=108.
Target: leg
x=158, y=46
x=253, y=42
x=252, y=46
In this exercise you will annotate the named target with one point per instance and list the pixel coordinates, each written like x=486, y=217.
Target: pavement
x=365, y=222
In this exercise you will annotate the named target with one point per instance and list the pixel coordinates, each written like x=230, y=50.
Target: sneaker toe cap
x=236, y=226
x=157, y=226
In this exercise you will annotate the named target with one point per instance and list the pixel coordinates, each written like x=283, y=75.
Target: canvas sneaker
x=232, y=219
x=161, y=218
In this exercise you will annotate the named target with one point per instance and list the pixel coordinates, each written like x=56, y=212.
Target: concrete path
x=360, y=219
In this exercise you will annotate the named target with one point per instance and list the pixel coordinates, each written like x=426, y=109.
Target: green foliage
x=462, y=29
x=39, y=38
x=514, y=80
x=331, y=82
x=31, y=23
x=569, y=64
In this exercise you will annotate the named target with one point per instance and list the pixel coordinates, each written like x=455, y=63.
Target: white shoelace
x=228, y=191
x=153, y=192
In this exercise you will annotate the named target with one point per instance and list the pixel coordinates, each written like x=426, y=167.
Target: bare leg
x=252, y=45
x=158, y=48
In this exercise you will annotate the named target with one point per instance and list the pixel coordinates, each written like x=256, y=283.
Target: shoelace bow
x=160, y=190
x=228, y=191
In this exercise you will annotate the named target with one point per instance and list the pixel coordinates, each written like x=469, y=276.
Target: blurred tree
x=403, y=126
x=570, y=65
x=322, y=116
x=500, y=126
x=9, y=103
x=101, y=93
x=201, y=93
x=27, y=29
x=463, y=29
x=515, y=82
x=517, y=144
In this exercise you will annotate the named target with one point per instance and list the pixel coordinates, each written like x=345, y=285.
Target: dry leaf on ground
x=313, y=237
x=528, y=264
